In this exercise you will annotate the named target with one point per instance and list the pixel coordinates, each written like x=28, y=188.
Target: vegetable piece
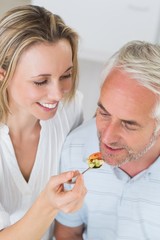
x=95, y=160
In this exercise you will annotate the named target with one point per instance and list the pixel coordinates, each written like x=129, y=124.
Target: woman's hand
x=53, y=199
x=60, y=199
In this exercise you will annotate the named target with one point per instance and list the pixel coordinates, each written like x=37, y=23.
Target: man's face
x=124, y=120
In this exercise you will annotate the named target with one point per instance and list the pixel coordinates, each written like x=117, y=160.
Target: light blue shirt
x=116, y=206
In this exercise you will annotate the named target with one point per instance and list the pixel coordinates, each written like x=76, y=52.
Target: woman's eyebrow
x=70, y=68
x=42, y=75
x=49, y=74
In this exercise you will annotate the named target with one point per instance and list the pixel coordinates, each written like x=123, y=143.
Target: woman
x=38, y=108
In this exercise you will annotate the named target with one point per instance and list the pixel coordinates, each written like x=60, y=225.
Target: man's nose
x=111, y=133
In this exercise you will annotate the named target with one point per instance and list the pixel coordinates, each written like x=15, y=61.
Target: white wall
x=89, y=84
x=104, y=26
x=7, y=4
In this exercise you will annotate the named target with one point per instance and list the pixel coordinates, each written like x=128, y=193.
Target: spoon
x=74, y=179
x=94, y=161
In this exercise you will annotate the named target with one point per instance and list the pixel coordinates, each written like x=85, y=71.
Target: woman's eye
x=66, y=76
x=40, y=83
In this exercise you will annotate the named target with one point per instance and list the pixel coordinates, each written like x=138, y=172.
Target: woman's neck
x=22, y=124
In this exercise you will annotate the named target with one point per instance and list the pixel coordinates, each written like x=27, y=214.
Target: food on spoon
x=95, y=160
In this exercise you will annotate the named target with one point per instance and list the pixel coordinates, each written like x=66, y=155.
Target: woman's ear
x=158, y=131
x=2, y=74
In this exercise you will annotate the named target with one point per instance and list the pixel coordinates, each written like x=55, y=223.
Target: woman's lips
x=48, y=106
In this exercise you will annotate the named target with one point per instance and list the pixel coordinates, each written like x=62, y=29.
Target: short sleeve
x=71, y=219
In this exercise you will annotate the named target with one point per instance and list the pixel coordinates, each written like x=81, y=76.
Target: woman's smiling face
x=43, y=74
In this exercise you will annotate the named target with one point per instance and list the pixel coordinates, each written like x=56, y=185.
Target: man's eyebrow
x=131, y=122
x=102, y=107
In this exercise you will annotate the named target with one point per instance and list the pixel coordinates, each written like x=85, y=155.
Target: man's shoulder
x=85, y=130
x=80, y=143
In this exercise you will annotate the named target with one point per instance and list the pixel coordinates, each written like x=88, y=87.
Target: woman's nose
x=55, y=92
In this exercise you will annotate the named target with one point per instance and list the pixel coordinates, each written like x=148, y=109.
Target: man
x=123, y=199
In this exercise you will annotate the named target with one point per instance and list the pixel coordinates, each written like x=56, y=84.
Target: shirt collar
x=153, y=171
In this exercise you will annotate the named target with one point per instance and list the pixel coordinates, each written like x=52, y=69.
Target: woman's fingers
x=76, y=197
x=79, y=184
x=64, y=177
x=73, y=196
x=73, y=206
x=62, y=199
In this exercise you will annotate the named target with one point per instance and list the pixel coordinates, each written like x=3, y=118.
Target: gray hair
x=141, y=60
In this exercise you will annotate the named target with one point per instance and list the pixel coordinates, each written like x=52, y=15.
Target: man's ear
x=2, y=74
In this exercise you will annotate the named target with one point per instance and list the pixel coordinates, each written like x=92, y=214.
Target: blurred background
x=103, y=26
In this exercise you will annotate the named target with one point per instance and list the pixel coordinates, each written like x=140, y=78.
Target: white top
x=17, y=195
x=116, y=206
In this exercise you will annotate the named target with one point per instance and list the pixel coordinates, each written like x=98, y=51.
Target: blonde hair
x=141, y=60
x=22, y=27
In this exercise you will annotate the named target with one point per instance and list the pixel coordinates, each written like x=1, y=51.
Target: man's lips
x=113, y=149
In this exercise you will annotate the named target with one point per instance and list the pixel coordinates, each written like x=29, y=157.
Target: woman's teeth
x=48, y=105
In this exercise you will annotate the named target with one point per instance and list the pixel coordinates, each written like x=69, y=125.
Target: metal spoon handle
x=86, y=170
x=74, y=179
